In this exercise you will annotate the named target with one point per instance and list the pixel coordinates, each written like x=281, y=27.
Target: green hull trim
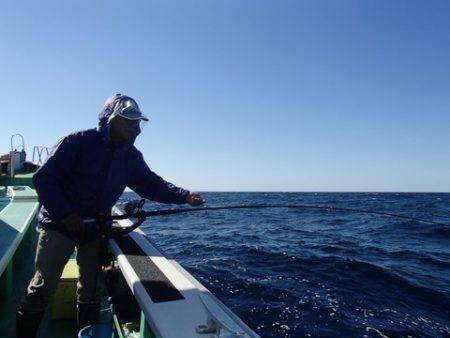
x=146, y=331
x=25, y=179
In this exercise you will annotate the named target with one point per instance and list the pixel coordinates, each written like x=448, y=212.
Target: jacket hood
x=108, y=108
x=106, y=112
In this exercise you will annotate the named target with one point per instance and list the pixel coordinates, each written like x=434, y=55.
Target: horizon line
x=321, y=191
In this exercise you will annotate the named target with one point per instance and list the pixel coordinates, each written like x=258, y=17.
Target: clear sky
x=243, y=95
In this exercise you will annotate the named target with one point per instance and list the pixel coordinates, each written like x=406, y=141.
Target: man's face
x=124, y=129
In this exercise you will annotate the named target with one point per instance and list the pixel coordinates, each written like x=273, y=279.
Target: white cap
x=128, y=109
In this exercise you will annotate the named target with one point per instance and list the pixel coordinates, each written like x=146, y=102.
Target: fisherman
x=83, y=178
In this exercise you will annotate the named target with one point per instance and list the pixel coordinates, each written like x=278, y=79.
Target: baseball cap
x=128, y=108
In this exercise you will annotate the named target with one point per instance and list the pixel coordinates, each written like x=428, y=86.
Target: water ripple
x=291, y=273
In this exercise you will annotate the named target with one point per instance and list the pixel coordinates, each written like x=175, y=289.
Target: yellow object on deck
x=64, y=303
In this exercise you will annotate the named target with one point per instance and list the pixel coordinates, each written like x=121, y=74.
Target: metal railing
x=17, y=154
x=40, y=154
x=13, y=152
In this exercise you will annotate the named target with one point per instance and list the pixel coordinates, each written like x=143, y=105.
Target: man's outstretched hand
x=194, y=199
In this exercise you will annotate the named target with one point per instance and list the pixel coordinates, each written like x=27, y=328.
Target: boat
x=144, y=292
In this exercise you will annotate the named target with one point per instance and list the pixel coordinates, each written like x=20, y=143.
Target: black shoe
x=87, y=314
x=27, y=324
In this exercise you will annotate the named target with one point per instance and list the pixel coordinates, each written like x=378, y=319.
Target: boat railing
x=17, y=154
x=16, y=157
x=13, y=137
x=40, y=154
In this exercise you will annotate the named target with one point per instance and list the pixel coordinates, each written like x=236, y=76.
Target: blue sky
x=243, y=95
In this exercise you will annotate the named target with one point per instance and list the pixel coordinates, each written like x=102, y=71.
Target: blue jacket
x=86, y=174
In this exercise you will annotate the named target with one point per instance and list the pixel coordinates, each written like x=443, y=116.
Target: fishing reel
x=103, y=226
x=134, y=207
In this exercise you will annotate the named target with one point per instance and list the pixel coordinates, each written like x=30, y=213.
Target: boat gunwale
x=21, y=231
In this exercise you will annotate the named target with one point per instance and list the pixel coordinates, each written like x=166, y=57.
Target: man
x=84, y=177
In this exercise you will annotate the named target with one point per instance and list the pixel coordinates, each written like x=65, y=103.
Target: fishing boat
x=144, y=292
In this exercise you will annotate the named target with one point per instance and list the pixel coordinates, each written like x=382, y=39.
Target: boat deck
x=15, y=219
x=17, y=250
x=23, y=268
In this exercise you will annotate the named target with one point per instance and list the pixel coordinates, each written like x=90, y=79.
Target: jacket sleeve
x=49, y=179
x=151, y=186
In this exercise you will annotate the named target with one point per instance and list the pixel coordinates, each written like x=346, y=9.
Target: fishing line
x=268, y=206
x=135, y=211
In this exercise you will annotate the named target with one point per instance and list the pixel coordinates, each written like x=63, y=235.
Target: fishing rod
x=134, y=210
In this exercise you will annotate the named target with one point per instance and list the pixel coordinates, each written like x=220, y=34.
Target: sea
x=319, y=273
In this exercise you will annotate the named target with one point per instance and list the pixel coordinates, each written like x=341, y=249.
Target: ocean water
x=316, y=273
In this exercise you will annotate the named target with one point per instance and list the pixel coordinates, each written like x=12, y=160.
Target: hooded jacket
x=86, y=174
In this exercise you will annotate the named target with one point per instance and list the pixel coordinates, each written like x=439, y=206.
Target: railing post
x=11, y=164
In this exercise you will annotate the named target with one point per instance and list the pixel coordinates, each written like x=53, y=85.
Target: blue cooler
x=104, y=329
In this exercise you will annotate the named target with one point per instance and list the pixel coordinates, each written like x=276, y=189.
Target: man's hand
x=194, y=199
x=74, y=224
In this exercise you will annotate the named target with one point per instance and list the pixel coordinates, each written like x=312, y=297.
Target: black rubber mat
x=158, y=287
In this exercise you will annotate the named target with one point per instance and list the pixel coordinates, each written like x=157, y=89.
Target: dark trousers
x=52, y=253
